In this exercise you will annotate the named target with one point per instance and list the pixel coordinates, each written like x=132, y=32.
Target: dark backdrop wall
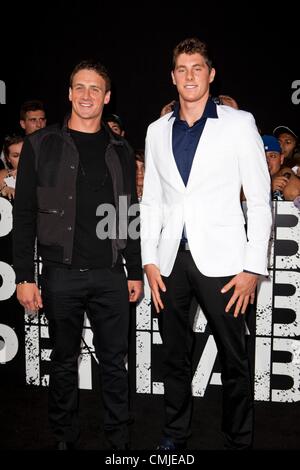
x=255, y=57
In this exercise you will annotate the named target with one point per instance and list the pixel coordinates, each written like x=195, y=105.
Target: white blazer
x=230, y=154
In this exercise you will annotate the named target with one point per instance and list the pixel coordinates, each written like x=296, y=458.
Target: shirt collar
x=210, y=111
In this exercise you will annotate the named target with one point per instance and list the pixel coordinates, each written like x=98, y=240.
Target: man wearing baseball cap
x=288, y=140
x=283, y=180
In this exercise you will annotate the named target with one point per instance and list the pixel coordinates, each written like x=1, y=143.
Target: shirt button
x=70, y=228
x=70, y=197
x=72, y=167
x=67, y=259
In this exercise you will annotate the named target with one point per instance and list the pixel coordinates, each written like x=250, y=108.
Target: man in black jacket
x=66, y=177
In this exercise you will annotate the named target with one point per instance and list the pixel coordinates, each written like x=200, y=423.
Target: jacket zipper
x=52, y=211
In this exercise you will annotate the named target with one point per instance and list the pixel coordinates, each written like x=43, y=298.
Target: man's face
x=88, y=94
x=192, y=77
x=274, y=161
x=139, y=177
x=287, y=143
x=140, y=172
x=33, y=121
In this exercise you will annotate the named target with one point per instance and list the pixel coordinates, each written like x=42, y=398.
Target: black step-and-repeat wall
x=274, y=329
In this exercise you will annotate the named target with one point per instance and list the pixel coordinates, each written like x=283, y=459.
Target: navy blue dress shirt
x=185, y=139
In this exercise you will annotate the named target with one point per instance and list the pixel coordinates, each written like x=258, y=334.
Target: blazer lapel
x=173, y=172
x=204, y=151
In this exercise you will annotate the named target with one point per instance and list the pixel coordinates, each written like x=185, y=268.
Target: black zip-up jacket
x=45, y=200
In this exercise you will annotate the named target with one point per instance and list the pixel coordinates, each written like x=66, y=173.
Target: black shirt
x=93, y=187
x=46, y=196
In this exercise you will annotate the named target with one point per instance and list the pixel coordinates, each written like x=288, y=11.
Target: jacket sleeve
x=132, y=251
x=24, y=215
x=151, y=209
x=255, y=179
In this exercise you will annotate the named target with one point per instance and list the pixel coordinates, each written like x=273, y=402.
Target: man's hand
x=156, y=284
x=135, y=289
x=279, y=183
x=244, y=291
x=8, y=192
x=29, y=296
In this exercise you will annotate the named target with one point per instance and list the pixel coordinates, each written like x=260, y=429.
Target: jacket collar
x=210, y=111
x=114, y=139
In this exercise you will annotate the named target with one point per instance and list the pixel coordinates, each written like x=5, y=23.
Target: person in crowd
x=32, y=116
x=194, y=240
x=228, y=101
x=68, y=177
x=140, y=171
x=288, y=140
x=167, y=108
x=291, y=189
x=285, y=184
x=115, y=123
x=11, y=149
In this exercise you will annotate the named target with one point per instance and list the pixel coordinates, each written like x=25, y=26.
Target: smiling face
x=88, y=95
x=192, y=77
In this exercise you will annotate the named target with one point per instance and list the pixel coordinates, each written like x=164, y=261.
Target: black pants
x=103, y=295
x=184, y=282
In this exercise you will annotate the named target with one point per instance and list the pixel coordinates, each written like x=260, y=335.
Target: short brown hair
x=140, y=155
x=31, y=105
x=192, y=46
x=96, y=67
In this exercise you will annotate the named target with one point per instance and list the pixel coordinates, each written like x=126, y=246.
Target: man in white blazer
x=194, y=240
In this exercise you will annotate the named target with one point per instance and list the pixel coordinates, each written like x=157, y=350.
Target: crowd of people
x=283, y=141
x=281, y=147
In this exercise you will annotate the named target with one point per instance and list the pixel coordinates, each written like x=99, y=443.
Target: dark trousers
x=184, y=282
x=103, y=295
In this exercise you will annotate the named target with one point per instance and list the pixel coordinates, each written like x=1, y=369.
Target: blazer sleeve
x=256, y=183
x=151, y=206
